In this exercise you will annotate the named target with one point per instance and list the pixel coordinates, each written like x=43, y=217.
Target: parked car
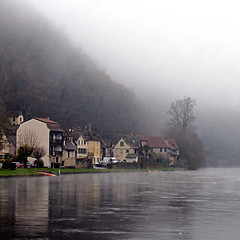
x=101, y=164
x=107, y=160
x=18, y=164
x=114, y=160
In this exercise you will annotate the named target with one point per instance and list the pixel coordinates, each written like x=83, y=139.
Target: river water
x=194, y=205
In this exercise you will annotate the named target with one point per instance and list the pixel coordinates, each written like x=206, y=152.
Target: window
x=70, y=153
x=78, y=142
x=162, y=149
x=58, y=148
x=59, y=136
x=122, y=144
x=82, y=150
x=127, y=151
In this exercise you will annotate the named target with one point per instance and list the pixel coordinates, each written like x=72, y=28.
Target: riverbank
x=34, y=172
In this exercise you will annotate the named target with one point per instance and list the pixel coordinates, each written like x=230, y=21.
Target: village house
x=94, y=150
x=16, y=118
x=88, y=146
x=45, y=133
x=8, y=140
x=162, y=148
x=69, y=151
x=82, y=147
x=126, y=149
x=8, y=143
x=106, y=148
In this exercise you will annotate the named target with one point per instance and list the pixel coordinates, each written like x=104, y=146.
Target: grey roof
x=131, y=155
x=16, y=113
x=132, y=140
x=12, y=138
x=107, y=143
x=55, y=129
x=69, y=146
x=87, y=135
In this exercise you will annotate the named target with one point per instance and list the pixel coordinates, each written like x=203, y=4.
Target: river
x=194, y=205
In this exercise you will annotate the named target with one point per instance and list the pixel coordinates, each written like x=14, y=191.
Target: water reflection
x=151, y=205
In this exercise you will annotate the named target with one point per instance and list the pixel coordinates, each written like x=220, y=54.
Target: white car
x=114, y=160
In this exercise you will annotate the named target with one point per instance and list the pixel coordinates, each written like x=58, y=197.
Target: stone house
x=127, y=146
x=69, y=151
x=16, y=118
x=8, y=142
x=88, y=146
x=162, y=148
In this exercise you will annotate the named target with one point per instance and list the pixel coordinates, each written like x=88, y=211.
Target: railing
x=57, y=141
x=56, y=153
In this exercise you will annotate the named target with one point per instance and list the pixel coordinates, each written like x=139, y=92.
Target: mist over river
x=194, y=205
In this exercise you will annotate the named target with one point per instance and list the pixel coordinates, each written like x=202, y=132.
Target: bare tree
x=23, y=152
x=38, y=153
x=28, y=137
x=181, y=113
x=180, y=128
x=27, y=142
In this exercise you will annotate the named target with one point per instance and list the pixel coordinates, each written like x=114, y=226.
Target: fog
x=163, y=50
x=171, y=47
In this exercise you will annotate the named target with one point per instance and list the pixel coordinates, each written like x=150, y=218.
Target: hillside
x=42, y=74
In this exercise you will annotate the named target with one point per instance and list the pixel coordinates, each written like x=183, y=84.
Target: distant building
x=126, y=149
x=16, y=118
x=88, y=146
x=8, y=145
x=69, y=152
x=162, y=148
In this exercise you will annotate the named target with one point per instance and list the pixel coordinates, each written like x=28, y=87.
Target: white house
x=45, y=133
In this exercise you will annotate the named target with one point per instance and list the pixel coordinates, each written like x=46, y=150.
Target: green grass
x=32, y=171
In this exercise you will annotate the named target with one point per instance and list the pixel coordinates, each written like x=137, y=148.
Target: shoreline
x=21, y=172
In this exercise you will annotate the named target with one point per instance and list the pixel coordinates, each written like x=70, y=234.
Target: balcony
x=56, y=153
x=56, y=141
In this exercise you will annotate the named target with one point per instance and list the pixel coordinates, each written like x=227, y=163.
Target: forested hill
x=42, y=74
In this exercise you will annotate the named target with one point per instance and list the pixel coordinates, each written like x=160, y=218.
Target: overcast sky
x=164, y=48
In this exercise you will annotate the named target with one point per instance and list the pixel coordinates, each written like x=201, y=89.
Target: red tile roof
x=156, y=142
x=46, y=120
x=159, y=142
x=173, y=143
x=143, y=138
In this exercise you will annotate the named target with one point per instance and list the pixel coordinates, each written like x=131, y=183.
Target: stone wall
x=134, y=165
x=83, y=163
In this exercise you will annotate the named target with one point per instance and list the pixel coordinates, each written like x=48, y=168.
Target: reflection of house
x=165, y=149
x=47, y=134
x=125, y=146
x=16, y=118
